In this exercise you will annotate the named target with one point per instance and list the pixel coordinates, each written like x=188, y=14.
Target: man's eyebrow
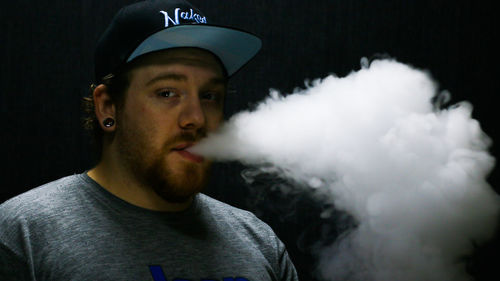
x=167, y=76
x=217, y=81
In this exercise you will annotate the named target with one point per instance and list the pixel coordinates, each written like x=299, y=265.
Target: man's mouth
x=182, y=150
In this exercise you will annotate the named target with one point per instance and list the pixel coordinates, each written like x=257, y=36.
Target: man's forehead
x=187, y=56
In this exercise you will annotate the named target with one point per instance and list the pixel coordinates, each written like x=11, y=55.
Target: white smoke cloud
x=412, y=175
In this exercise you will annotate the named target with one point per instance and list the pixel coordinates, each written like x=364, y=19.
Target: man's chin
x=181, y=185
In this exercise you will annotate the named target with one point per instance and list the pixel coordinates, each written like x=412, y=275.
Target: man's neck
x=121, y=183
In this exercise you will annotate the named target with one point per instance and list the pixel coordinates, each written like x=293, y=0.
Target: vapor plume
x=411, y=174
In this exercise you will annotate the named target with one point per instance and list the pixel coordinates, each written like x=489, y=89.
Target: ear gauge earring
x=108, y=122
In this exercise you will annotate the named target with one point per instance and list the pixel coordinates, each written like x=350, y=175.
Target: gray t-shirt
x=73, y=229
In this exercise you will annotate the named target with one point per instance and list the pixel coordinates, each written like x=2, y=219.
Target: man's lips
x=182, y=150
x=183, y=146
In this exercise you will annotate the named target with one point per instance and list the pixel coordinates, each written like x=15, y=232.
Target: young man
x=138, y=215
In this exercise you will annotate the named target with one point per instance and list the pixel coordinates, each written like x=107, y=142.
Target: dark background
x=46, y=65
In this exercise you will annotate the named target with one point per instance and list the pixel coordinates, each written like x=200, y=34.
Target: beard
x=175, y=187
x=173, y=184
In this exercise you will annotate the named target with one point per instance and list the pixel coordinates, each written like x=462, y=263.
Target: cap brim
x=233, y=47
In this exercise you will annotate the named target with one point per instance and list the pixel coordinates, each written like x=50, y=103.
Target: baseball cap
x=155, y=25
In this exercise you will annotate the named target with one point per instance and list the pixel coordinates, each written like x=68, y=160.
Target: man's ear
x=105, y=108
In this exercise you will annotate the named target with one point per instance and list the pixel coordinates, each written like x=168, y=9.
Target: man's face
x=174, y=100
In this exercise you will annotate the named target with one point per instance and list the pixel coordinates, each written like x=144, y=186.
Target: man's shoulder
x=241, y=226
x=242, y=221
x=228, y=211
x=34, y=210
x=45, y=197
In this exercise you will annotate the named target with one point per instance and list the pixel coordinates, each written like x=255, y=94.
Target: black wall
x=46, y=52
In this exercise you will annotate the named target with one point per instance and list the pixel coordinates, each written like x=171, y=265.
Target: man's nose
x=192, y=115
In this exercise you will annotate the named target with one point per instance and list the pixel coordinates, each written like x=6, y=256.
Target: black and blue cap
x=155, y=25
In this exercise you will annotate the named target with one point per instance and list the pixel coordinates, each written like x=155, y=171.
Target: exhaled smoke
x=411, y=174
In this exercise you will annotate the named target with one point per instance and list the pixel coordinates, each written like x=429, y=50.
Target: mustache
x=186, y=137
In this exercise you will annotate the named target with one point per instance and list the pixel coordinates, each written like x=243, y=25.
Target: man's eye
x=210, y=96
x=166, y=93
